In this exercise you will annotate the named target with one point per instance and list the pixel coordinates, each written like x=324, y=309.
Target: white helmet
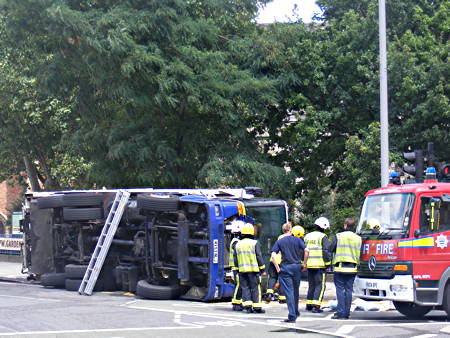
x=322, y=222
x=236, y=226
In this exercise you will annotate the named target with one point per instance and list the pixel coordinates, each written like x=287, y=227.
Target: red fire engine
x=406, y=251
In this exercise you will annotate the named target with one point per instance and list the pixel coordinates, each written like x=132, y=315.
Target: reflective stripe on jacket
x=233, y=243
x=313, y=242
x=246, y=256
x=348, y=250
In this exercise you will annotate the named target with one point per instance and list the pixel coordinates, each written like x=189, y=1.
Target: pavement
x=11, y=270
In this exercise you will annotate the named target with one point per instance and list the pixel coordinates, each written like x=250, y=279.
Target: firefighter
x=249, y=260
x=298, y=231
x=294, y=251
x=236, y=301
x=347, y=248
x=273, y=274
x=319, y=259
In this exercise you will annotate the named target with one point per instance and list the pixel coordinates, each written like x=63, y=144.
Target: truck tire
x=50, y=202
x=55, y=279
x=412, y=310
x=158, y=203
x=82, y=214
x=161, y=292
x=446, y=300
x=106, y=281
x=73, y=284
x=83, y=199
x=74, y=271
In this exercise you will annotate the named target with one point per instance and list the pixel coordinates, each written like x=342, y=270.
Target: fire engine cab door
x=431, y=247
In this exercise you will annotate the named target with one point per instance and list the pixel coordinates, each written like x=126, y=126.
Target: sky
x=277, y=10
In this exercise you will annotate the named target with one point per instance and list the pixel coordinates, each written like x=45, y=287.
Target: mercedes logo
x=372, y=263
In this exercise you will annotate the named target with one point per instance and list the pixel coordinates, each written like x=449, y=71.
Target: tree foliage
x=177, y=93
x=159, y=97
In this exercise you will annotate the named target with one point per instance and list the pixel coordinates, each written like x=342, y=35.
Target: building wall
x=9, y=194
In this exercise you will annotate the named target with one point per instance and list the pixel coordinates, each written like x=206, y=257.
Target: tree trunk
x=32, y=174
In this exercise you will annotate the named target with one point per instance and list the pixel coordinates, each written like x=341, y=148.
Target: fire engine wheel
x=412, y=310
x=55, y=279
x=161, y=292
x=446, y=300
x=50, y=202
x=158, y=203
x=82, y=214
x=82, y=200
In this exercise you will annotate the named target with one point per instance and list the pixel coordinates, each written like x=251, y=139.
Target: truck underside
x=160, y=249
x=167, y=245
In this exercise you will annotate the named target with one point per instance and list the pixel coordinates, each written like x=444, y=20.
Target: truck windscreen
x=268, y=221
x=385, y=214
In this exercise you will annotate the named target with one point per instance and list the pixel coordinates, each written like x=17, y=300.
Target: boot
x=316, y=309
x=268, y=297
x=249, y=309
x=309, y=307
x=259, y=310
x=238, y=307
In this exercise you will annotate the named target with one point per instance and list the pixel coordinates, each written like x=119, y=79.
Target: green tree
x=160, y=100
x=327, y=78
x=32, y=124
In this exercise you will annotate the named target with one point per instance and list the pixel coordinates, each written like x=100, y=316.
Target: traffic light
x=415, y=170
x=444, y=172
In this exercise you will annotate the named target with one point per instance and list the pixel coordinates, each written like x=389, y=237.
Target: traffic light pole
x=384, y=124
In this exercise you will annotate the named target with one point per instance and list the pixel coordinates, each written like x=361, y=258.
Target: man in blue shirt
x=293, y=251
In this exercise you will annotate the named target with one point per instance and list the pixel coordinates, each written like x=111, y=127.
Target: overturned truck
x=167, y=243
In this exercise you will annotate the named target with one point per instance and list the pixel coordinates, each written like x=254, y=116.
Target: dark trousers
x=316, y=286
x=344, y=290
x=251, y=289
x=273, y=277
x=290, y=277
x=237, y=295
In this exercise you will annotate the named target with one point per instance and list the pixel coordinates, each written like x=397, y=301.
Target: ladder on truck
x=104, y=242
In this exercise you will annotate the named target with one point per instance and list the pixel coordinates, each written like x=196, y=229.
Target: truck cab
x=405, y=254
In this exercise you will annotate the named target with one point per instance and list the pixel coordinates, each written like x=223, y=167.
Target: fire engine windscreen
x=385, y=213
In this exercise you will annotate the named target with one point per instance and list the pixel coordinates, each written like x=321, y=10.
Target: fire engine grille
x=382, y=270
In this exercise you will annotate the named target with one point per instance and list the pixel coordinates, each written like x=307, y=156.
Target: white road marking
x=445, y=329
x=425, y=336
x=177, y=320
x=345, y=329
x=202, y=305
x=224, y=323
x=99, y=330
x=241, y=319
x=32, y=298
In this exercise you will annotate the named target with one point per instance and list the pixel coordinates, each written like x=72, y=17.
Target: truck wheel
x=74, y=271
x=446, y=300
x=412, y=310
x=50, y=202
x=106, y=281
x=83, y=199
x=82, y=214
x=56, y=280
x=152, y=291
x=73, y=284
x=158, y=203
